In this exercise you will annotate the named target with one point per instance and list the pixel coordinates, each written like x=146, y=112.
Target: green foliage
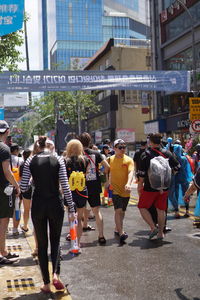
x=9, y=55
x=67, y=104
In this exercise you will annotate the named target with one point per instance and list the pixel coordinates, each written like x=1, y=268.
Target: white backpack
x=159, y=172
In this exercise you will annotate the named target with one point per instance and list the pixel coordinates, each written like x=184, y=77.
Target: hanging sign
x=30, y=81
x=194, y=108
x=11, y=16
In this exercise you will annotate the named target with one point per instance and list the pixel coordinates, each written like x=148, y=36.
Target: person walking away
x=153, y=185
x=195, y=186
x=26, y=196
x=76, y=165
x=7, y=182
x=48, y=172
x=93, y=181
x=16, y=162
x=137, y=156
x=182, y=180
x=120, y=178
x=105, y=153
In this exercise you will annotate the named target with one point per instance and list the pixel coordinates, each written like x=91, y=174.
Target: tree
x=10, y=56
x=56, y=105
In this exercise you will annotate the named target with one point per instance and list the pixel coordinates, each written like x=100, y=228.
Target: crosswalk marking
x=20, y=284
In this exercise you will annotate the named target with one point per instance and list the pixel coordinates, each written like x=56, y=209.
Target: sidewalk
x=22, y=280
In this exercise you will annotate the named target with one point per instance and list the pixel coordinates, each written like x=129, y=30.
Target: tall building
x=73, y=30
x=122, y=113
x=171, y=35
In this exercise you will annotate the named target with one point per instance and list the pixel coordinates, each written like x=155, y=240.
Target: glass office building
x=73, y=30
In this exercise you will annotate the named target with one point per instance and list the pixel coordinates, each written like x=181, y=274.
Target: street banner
x=194, y=108
x=1, y=113
x=32, y=81
x=11, y=16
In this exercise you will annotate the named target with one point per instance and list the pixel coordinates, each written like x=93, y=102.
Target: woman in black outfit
x=47, y=171
x=76, y=161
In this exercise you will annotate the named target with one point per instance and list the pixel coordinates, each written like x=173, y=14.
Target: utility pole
x=56, y=117
x=79, y=113
x=27, y=56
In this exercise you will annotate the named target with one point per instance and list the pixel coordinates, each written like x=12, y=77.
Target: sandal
x=102, y=240
x=88, y=228
x=153, y=233
x=24, y=230
x=68, y=237
x=5, y=261
x=58, y=284
x=9, y=255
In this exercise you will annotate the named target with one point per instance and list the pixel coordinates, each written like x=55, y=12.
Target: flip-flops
x=24, y=230
x=153, y=233
x=5, y=261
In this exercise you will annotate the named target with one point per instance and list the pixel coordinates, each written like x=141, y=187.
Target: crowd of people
x=48, y=184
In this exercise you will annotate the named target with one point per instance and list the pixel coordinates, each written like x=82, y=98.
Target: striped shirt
x=47, y=171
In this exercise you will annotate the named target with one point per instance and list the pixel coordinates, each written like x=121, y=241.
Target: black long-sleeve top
x=47, y=171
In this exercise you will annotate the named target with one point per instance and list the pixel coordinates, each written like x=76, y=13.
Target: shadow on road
x=182, y=297
x=145, y=243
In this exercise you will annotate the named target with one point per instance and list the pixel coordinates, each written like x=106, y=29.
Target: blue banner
x=11, y=16
x=1, y=113
x=32, y=81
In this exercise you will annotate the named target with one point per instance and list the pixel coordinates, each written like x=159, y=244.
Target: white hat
x=118, y=141
x=3, y=126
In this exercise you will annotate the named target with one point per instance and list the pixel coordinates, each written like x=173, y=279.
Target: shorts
x=28, y=194
x=94, y=199
x=6, y=205
x=120, y=202
x=147, y=199
x=80, y=198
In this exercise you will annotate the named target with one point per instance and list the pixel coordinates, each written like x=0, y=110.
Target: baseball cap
x=118, y=141
x=3, y=126
x=106, y=146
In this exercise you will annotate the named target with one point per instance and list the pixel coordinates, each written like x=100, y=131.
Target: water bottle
x=17, y=209
x=110, y=194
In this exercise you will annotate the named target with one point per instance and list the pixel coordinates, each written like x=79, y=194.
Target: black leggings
x=40, y=224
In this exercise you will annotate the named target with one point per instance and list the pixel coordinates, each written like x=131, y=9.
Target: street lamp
x=195, y=92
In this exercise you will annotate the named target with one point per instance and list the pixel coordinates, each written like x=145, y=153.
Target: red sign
x=196, y=125
x=145, y=110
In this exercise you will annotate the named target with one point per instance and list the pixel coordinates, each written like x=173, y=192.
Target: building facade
x=123, y=112
x=171, y=34
x=74, y=30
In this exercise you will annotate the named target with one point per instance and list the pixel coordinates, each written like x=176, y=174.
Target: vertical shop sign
x=194, y=108
x=11, y=16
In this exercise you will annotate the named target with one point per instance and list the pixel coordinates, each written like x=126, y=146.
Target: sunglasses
x=121, y=147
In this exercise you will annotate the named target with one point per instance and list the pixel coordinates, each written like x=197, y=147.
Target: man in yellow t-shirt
x=121, y=176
